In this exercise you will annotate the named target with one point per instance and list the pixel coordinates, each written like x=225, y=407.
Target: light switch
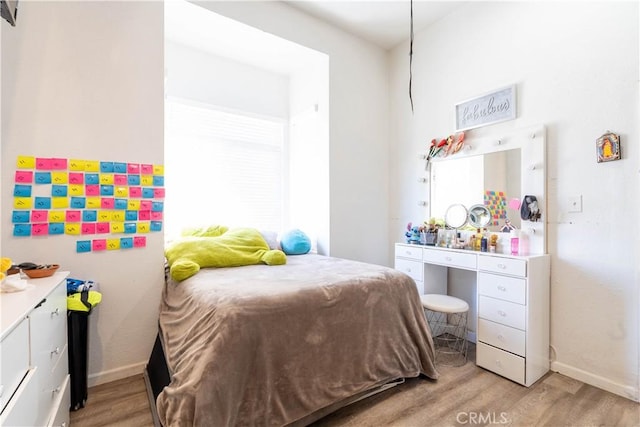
x=575, y=204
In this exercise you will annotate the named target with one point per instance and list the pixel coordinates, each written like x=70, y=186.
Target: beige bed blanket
x=268, y=345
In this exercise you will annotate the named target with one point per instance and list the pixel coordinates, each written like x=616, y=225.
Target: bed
x=284, y=344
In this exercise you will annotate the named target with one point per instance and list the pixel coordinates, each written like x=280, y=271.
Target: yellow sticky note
x=133, y=205
x=76, y=165
x=143, y=227
x=92, y=166
x=117, y=227
x=76, y=190
x=93, y=203
x=106, y=178
x=56, y=216
x=72, y=228
x=104, y=216
x=113, y=244
x=59, y=177
x=117, y=216
x=59, y=202
x=26, y=162
x=158, y=169
x=121, y=192
x=22, y=202
x=146, y=180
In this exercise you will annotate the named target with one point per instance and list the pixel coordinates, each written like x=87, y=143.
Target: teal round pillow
x=295, y=242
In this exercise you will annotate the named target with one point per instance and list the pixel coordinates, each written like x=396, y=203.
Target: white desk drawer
x=501, y=362
x=21, y=410
x=412, y=269
x=504, y=312
x=60, y=415
x=450, y=259
x=14, y=360
x=508, y=288
x=408, y=251
x=495, y=264
x=505, y=337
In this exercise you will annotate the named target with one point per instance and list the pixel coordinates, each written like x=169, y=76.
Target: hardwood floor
x=462, y=396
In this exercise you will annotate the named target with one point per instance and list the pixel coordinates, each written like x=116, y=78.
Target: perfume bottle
x=515, y=242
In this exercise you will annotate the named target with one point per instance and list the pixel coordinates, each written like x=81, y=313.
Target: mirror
x=492, y=180
x=479, y=216
x=456, y=216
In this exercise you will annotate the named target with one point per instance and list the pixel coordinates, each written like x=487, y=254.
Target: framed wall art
x=608, y=147
x=493, y=107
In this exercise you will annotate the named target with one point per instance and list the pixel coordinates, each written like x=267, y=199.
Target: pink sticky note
x=76, y=178
x=144, y=215
x=43, y=163
x=135, y=192
x=156, y=216
x=92, y=190
x=73, y=216
x=158, y=193
x=39, y=216
x=139, y=242
x=146, y=169
x=24, y=177
x=88, y=228
x=107, y=203
x=39, y=229
x=145, y=205
x=99, y=245
x=103, y=228
x=119, y=179
x=514, y=204
x=58, y=164
x=133, y=168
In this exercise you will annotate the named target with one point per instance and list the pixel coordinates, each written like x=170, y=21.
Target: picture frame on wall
x=493, y=107
x=608, y=147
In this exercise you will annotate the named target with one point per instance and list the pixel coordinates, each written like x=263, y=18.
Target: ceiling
x=385, y=23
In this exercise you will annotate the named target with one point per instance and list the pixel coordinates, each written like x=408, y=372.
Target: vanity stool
x=447, y=317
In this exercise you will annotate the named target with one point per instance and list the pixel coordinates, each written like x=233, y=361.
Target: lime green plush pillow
x=210, y=231
x=234, y=248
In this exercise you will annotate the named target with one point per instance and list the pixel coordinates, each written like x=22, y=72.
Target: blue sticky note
x=120, y=204
x=22, y=190
x=59, y=191
x=156, y=226
x=89, y=216
x=131, y=215
x=83, y=246
x=119, y=167
x=78, y=202
x=56, y=228
x=20, y=230
x=147, y=193
x=157, y=206
x=42, y=203
x=91, y=178
x=126, y=243
x=106, y=167
x=106, y=190
x=130, y=227
x=20, y=217
x=133, y=179
x=158, y=181
x=42, y=178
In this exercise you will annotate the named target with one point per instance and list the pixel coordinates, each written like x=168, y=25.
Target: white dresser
x=34, y=371
x=512, y=304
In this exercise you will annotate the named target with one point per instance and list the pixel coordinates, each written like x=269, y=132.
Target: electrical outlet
x=575, y=204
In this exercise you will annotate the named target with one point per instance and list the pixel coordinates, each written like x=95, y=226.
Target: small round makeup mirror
x=456, y=216
x=479, y=216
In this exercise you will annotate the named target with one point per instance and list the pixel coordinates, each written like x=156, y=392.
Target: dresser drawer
x=21, y=410
x=60, y=416
x=408, y=251
x=412, y=269
x=508, y=288
x=505, y=337
x=48, y=326
x=495, y=264
x=503, y=312
x=450, y=258
x=501, y=362
x=14, y=360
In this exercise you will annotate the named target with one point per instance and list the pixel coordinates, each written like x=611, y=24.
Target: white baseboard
x=597, y=381
x=115, y=374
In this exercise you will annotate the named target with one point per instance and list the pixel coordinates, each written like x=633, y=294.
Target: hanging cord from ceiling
x=411, y=60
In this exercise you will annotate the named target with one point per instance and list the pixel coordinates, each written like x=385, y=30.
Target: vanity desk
x=512, y=303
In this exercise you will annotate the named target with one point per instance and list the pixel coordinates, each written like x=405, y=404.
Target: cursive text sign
x=497, y=106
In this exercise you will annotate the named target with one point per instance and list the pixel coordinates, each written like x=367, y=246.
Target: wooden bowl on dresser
x=38, y=273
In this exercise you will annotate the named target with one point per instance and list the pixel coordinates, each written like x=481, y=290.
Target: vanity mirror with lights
x=508, y=294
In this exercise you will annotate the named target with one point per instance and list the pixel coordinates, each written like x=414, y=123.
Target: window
x=222, y=167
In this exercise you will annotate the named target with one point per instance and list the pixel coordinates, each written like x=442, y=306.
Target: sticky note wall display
x=95, y=200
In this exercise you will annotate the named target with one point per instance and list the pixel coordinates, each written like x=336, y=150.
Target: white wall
x=576, y=70
x=85, y=80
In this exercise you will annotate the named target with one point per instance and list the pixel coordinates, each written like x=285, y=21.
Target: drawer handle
x=447, y=258
x=1, y=389
x=502, y=313
x=502, y=288
x=498, y=364
x=56, y=312
x=56, y=390
x=408, y=252
x=56, y=351
x=500, y=337
x=408, y=270
x=502, y=266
